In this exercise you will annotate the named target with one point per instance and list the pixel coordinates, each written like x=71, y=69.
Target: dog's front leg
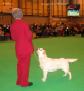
x=44, y=75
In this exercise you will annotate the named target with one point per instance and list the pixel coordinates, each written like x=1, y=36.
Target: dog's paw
x=70, y=78
x=64, y=75
x=43, y=80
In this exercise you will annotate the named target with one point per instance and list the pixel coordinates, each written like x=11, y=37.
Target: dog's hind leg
x=69, y=73
x=44, y=76
x=65, y=74
x=70, y=76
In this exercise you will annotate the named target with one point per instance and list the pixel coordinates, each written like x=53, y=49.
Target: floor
x=67, y=47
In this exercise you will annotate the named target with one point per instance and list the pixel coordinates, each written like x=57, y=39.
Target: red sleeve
x=29, y=33
x=29, y=36
x=13, y=35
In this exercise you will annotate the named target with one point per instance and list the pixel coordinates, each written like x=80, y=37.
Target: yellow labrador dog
x=51, y=64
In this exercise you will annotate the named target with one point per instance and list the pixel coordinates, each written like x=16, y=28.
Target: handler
x=21, y=34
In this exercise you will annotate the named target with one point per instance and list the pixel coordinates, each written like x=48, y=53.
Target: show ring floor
x=67, y=47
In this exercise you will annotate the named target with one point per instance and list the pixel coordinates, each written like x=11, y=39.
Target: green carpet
x=68, y=47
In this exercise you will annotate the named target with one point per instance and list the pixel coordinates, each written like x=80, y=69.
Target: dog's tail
x=72, y=60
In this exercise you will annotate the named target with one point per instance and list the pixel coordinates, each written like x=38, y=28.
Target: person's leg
x=23, y=70
x=18, y=74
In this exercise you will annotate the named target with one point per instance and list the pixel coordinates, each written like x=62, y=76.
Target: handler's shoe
x=29, y=84
x=24, y=85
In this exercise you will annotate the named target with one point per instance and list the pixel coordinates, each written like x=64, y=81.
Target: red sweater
x=22, y=35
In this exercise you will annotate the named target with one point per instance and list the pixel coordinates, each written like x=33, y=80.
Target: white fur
x=51, y=64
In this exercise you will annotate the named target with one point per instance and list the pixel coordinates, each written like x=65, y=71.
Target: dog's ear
x=44, y=52
x=44, y=49
x=36, y=48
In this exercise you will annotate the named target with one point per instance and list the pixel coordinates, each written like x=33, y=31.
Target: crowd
x=47, y=30
x=4, y=32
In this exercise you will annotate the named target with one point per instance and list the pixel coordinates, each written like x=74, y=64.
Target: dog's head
x=41, y=52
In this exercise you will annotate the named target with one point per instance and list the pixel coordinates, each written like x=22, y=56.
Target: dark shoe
x=29, y=84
